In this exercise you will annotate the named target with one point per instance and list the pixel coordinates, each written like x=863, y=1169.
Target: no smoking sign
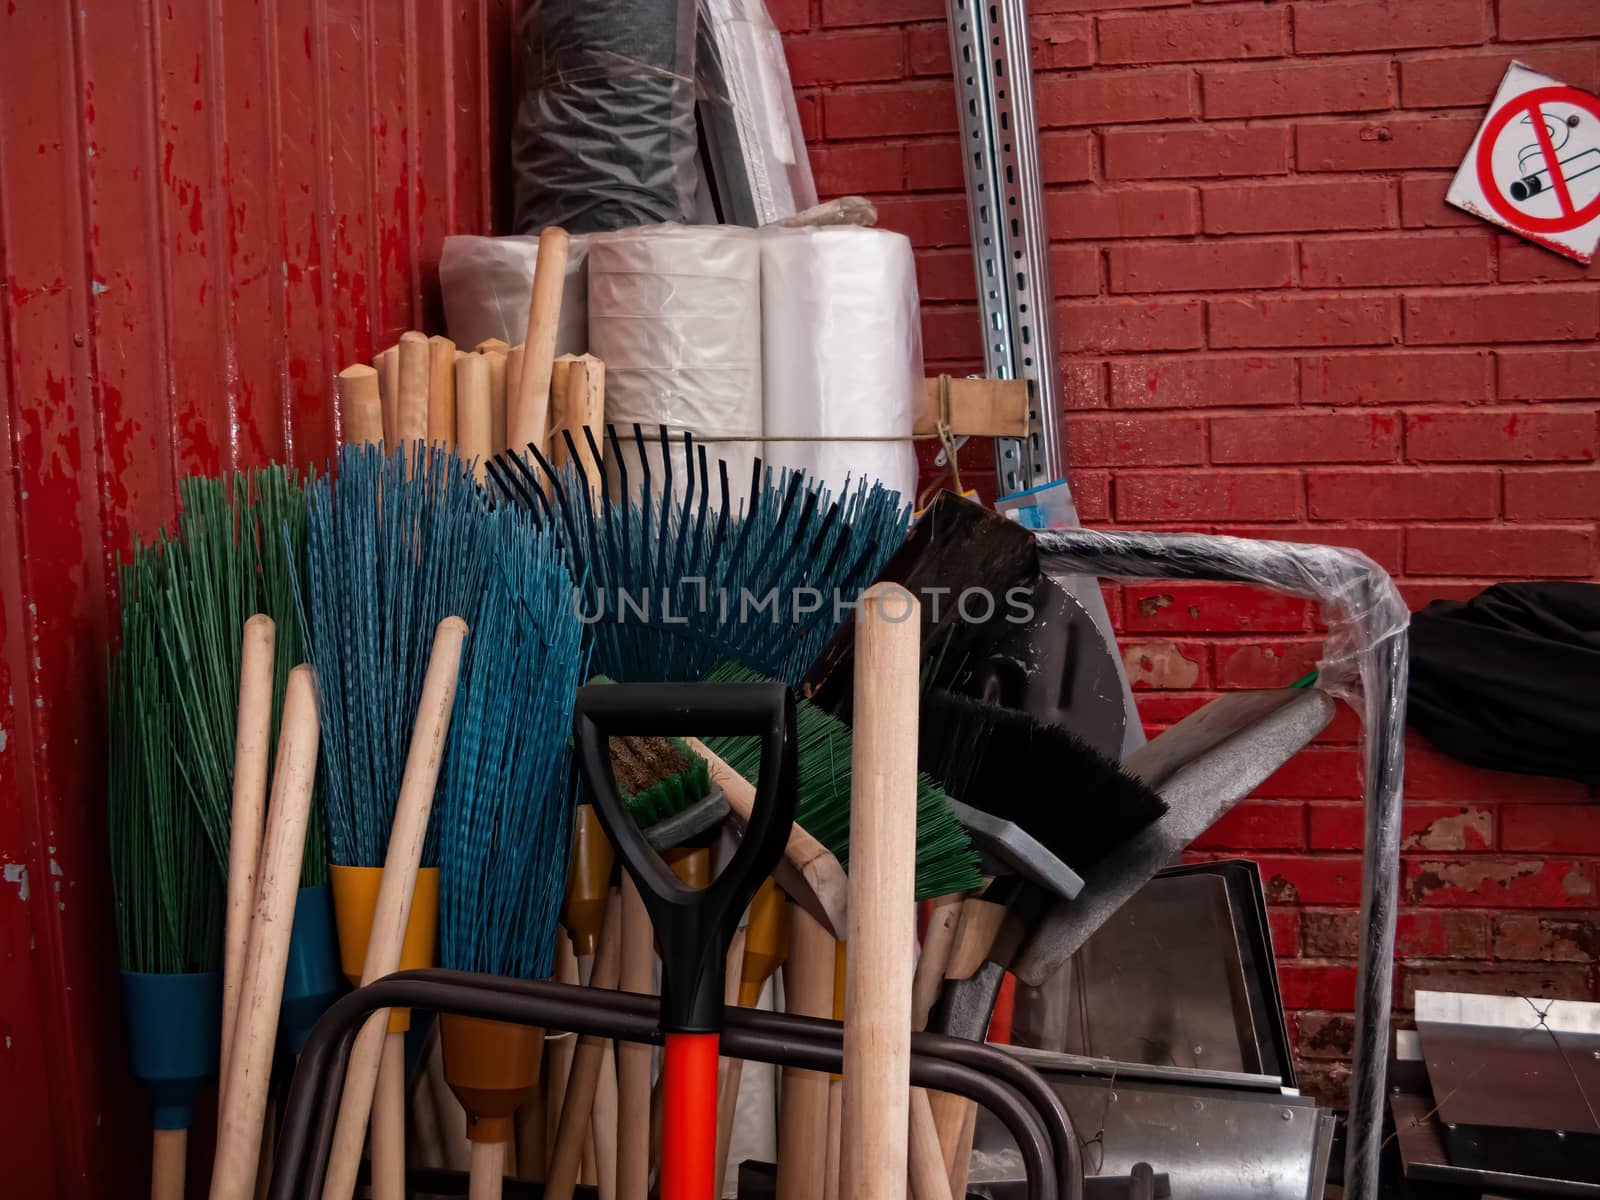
x=1534, y=167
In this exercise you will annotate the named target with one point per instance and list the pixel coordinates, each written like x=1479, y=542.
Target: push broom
x=395, y=544
x=504, y=808
x=169, y=898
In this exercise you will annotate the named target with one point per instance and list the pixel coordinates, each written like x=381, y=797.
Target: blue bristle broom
x=395, y=543
x=675, y=583
x=504, y=817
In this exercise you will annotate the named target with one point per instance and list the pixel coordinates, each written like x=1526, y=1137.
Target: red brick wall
x=1273, y=326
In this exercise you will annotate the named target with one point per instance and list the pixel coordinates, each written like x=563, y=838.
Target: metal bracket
x=1010, y=244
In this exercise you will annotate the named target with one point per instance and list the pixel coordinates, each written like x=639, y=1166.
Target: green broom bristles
x=168, y=890
x=240, y=538
x=946, y=861
x=208, y=595
x=279, y=510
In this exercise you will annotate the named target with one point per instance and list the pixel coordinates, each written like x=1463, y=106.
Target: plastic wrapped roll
x=487, y=283
x=841, y=352
x=675, y=313
x=605, y=131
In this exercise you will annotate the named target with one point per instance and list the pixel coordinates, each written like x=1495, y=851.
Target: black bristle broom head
x=1047, y=781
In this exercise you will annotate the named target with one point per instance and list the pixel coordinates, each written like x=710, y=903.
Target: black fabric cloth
x=1511, y=678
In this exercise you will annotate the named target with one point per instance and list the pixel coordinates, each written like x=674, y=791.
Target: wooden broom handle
x=883, y=853
x=930, y=1179
x=388, y=1121
x=573, y=1130
x=529, y=415
x=604, y=1133
x=487, y=1171
x=803, y=1115
x=252, y=743
x=732, y=1069
x=975, y=934
x=411, y=410
x=441, y=391
x=499, y=363
x=387, y=364
x=393, y=909
x=937, y=941
x=580, y=403
x=809, y=873
x=474, y=412
x=169, y=1154
x=244, y=1105
x=638, y=974
x=559, y=1048
x=360, y=405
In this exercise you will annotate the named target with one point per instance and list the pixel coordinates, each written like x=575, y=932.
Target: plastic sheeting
x=675, y=314
x=1364, y=661
x=487, y=283
x=605, y=132
x=606, y=135
x=755, y=147
x=841, y=352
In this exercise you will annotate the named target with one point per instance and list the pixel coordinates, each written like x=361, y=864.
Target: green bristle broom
x=504, y=821
x=239, y=539
x=164, y=877
x=946, y=861
x=313, y=978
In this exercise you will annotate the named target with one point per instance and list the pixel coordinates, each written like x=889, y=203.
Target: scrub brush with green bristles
x=946, y=860
x=667, y=788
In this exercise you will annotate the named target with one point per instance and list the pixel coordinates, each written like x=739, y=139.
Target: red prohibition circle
x=1495, y=126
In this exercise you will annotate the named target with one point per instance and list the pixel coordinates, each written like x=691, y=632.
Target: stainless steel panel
x=1161, y=982
x=1213, y=1143
x=1423, y=1157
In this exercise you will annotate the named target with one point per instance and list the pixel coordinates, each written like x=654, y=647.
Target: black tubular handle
x=693, y=927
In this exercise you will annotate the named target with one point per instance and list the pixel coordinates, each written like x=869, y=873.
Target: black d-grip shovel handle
x=693, y=927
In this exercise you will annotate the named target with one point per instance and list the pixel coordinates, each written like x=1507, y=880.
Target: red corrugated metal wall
x=207, y=207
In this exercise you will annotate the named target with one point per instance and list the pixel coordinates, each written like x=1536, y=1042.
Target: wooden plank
x=979, y=408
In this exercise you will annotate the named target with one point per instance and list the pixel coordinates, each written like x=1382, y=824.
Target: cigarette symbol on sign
x=1557, y=134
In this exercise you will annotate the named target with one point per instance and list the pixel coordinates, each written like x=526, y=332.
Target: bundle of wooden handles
x=489, y=399
x=262, y=931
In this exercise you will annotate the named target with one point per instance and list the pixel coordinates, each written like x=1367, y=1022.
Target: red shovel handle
x=689, y=1117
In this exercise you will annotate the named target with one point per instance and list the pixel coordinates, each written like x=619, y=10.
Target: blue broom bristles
x=394, y=544
x=507, y=790
x=676, y=583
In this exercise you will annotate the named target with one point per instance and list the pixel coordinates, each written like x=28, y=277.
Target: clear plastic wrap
x=1364, y=662
x=841, y=353
x=605, y=132
x=675, y=313
x=755, y=147
x=487, y=283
